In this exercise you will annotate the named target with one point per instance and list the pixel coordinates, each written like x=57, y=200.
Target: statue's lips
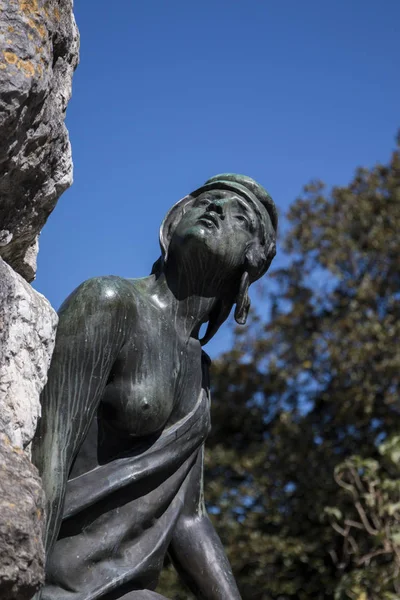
x=210, y=219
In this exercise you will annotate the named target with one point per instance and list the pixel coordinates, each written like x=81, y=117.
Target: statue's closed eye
x=244, y=220
x=203, y=202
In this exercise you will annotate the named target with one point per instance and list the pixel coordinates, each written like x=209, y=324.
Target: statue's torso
x=155, y=380
x=154, y=413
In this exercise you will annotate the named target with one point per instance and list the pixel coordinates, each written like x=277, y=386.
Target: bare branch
x=364, y=519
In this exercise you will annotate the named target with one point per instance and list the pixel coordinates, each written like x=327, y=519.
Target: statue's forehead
x=217, y=192
x=231, y=194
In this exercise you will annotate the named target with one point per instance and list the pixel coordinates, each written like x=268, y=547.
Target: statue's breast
x=144, y=386
x=151, y=386
x=137, y=408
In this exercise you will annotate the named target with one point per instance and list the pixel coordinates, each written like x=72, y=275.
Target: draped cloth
x=119, y=518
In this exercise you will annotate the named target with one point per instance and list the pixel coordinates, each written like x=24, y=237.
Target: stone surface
x=27, y=332
x=21, y=524
x=39, y=48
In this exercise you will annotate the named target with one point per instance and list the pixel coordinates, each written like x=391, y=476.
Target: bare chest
x=152, y=384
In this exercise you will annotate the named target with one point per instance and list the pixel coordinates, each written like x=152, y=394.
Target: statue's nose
x=217, y=206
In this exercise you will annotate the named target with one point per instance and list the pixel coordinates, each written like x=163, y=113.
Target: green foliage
x=303, y=463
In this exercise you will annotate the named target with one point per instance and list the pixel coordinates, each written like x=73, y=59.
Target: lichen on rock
x=39, y=48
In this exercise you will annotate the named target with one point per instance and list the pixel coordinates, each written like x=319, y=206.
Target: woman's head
x=234, y=187
x=230, y=221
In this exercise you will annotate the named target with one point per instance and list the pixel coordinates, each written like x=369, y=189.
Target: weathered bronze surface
x=126, y=407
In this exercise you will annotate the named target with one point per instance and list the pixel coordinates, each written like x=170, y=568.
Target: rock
x=21, y=525
x=39, y=47
x=27, y=334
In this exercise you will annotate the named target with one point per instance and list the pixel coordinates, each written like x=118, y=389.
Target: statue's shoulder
x=107, y=292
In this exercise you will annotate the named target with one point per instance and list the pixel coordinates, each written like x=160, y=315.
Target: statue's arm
x=196, y=549
x=89, y=337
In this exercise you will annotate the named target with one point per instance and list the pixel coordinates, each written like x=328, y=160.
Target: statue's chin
x=208, y=251
x=198, y=238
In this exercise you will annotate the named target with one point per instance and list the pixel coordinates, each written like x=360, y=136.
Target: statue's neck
x=187, y=296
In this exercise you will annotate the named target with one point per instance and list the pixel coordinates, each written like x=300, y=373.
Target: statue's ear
x=243, y=300
x=259, y=258
x=171, y=220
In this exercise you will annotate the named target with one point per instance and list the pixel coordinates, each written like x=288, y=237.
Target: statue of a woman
x=126, y=408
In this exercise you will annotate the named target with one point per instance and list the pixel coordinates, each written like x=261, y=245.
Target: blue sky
x=168, y=94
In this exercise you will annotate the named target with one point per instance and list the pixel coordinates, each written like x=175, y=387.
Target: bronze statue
x=126, y=408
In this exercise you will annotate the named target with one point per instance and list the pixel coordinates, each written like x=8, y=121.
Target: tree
x=369, y=523
x=307, y=398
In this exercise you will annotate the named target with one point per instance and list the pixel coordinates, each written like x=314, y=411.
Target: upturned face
x=218, y=226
